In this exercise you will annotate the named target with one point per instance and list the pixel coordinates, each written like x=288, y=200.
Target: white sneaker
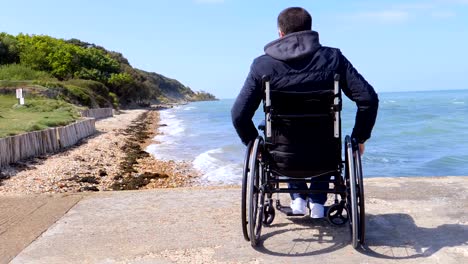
x=299, y=206
x=316, y=210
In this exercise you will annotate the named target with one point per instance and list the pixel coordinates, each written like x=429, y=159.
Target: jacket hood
x=294, y=46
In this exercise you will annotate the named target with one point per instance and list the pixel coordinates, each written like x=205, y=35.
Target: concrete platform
x=409, y=220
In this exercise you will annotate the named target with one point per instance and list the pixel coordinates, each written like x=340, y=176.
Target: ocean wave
x=206, y=161
x=228, y=174
x=215, y=170
x=170, y=126
x=448, y=161
x=188, y=108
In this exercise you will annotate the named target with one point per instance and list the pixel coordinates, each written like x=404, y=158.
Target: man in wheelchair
x=297, y=79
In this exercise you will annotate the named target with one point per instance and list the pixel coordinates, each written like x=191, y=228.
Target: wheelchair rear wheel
x=360, y=196
x=245, y=182
x=355, y=196
x=256, y=193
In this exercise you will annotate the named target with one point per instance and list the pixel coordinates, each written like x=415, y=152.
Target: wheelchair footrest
x=287, y=211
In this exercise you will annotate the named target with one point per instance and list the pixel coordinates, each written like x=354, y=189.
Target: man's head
x=294, y=19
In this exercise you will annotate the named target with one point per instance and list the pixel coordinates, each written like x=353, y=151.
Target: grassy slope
x=38, y=113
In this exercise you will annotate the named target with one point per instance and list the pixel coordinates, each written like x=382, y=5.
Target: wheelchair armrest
x=262, y=125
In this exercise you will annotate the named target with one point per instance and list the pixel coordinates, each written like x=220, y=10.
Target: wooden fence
x=97, y=113
x=50, y=140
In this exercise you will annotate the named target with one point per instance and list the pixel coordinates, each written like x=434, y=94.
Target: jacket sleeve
x=245, y=106
x=363, y=94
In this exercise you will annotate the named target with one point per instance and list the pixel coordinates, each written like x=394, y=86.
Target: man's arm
x=362, y=93
x=245, y=106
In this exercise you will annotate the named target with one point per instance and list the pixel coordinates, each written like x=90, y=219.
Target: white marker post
x=19, y=96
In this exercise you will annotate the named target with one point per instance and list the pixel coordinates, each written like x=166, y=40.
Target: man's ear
x=280, y=33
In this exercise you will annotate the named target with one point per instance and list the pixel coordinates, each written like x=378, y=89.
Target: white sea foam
x=228, y=174
x=188, y=108
x=216, y=171
x=173, y=128
x=206, y=161
x=170, y=132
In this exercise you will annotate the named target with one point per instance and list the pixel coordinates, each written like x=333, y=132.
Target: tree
x=34, y=51
x=9, y=52
x=64, y=60
x=96, y=65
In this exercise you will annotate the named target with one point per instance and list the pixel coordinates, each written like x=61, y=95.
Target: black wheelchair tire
x=256, y=194
x=352, y=195
x=361, y=201
x=245, y=182
x=268, y=214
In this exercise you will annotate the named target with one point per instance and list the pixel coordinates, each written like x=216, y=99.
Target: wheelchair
x=319, y=113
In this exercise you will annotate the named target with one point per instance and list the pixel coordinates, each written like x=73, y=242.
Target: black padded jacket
x=296, y=59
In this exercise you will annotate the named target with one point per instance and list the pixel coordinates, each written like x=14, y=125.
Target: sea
x=416, y=134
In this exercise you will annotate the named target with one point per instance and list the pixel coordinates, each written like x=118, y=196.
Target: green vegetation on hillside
x=84, y=73
x=37, y=113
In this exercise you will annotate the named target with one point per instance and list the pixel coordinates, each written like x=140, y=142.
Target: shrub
x=94, y=86
x=115, y=100
x=80, y=94
x=18, y=72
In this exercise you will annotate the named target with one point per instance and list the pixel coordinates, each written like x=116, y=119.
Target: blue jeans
x=319, y=183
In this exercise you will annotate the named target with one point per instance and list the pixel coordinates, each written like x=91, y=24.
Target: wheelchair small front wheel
x=269, y=214
x=338, y=214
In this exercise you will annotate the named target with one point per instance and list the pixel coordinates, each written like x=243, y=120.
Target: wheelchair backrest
x=303, y=125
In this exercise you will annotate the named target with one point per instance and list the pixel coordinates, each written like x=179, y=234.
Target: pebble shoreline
x=101, y=162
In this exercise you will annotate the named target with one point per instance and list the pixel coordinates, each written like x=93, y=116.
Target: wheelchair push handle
x=336, y=77
x=337, y=106
x=266, y=84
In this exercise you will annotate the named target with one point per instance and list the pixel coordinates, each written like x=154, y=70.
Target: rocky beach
x=112, y=159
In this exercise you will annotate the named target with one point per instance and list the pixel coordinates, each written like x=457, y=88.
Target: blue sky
x=210, y=44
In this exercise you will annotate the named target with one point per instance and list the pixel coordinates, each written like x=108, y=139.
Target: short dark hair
x=294, y=19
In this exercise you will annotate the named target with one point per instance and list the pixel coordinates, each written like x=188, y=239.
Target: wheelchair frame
x=258, y=181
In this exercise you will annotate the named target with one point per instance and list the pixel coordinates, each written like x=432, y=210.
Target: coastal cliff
x=84, y=74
